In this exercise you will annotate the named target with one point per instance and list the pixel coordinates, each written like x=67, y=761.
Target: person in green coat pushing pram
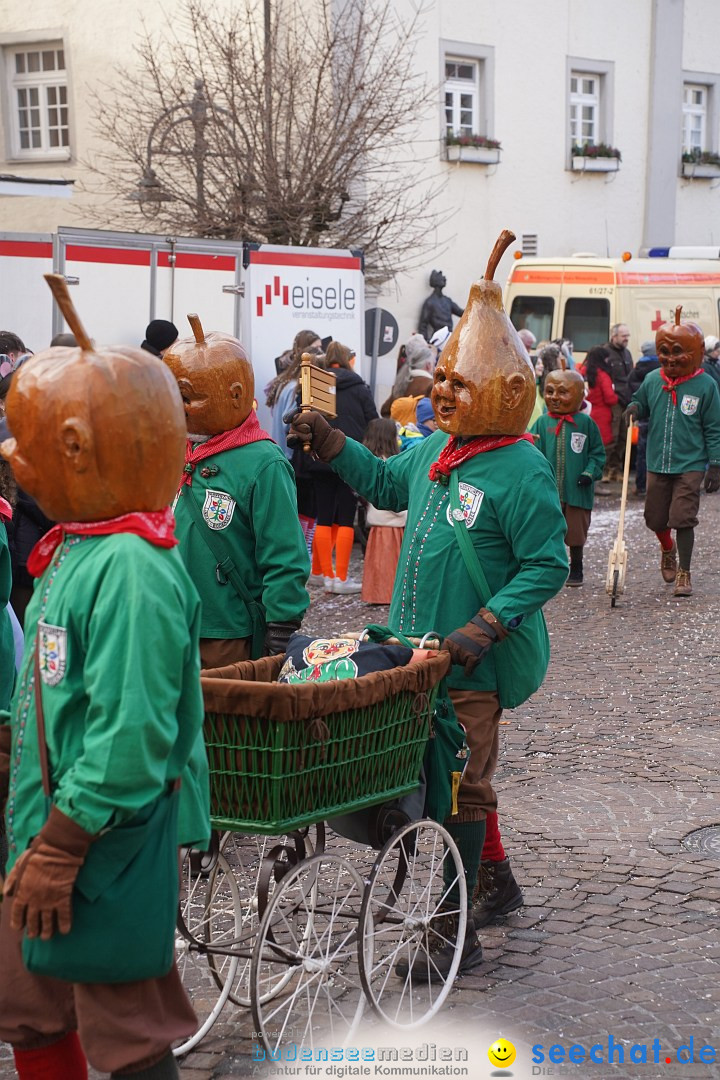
x=571, y=441
x=481, y=473
x=106, y=722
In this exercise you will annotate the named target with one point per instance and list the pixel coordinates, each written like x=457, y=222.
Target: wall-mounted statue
x=438, y=310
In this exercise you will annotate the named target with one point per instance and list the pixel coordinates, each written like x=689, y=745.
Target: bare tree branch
x=297, y=130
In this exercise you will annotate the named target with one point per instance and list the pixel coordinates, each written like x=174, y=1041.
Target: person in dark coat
x=647, y=362
x=620, y=364
x=711, y=359
x=28, y=525
x=336, y=502
x=160, y=334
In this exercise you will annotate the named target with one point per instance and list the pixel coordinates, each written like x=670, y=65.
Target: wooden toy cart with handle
x=270, y=919
x=617, y=562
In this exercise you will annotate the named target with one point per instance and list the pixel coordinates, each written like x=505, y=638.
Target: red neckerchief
x=670, y=384
x=247, y=432
x=561, y=418
x=455, y=453
x=6, y=510
x=157, y=527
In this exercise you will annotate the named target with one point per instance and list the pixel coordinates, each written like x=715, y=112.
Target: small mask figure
x=680, y=347
x=564, y=392
x=215, y=379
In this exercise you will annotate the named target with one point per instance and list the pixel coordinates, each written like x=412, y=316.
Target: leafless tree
x=302, y=129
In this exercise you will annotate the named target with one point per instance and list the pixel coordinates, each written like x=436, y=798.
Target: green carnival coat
x=249, y=501
x=576, y=450
x=517, y=528
x=682, y=437
x=120, y=672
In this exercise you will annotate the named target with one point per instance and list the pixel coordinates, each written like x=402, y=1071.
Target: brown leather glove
x=41, y=882
x=712, y=479
x=471, y=643
x=325, y=441
x=5, y=743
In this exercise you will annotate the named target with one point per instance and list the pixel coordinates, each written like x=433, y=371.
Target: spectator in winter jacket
x=160, y=334
x=711, y=359
x=601, y=393
x=620, y=365
x=335, y=501
x=416, y=374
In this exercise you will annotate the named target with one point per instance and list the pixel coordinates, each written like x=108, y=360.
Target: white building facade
x=642, y=78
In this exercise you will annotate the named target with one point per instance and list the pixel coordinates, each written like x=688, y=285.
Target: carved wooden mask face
x=484, y=383
x=680, y=347
x=215, y=380
x=95, y=434
x=564, y=391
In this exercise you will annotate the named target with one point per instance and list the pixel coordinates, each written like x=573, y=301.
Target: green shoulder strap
x=469, y=555
x=226, y=567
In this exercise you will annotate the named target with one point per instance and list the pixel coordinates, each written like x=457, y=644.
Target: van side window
x=587, y=322
x=534, y=313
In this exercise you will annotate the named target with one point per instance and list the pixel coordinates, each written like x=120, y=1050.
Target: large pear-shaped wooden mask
x=484, y=380
x=680, y=347
x=215, y=379
x=96, y=432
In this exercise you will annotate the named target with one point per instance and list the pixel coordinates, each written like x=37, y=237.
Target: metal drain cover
x=706, y=841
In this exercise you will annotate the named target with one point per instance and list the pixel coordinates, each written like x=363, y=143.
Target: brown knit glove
x=41, y=882
x=5, y=744
x=471, y=643
x=311, y=427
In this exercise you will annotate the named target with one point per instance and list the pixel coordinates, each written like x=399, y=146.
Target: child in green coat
x=571, y=441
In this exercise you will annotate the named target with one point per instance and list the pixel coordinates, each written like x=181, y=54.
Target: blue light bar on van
x=658, y=253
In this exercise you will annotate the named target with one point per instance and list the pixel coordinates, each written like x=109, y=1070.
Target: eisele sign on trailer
x=262, y=294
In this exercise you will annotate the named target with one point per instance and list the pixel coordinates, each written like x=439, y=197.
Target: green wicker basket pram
x=282, y=756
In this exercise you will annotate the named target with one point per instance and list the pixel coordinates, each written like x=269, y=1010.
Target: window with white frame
x=695, y=109
x=584, y=108
x=38, y=98
x=462, y=96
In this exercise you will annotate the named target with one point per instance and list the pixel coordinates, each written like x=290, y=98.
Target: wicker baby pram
x=285, y=756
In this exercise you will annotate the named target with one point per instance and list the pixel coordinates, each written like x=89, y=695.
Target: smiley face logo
x=501, y=1053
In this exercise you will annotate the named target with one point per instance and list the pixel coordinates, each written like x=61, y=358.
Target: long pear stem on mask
x=678, y=313
x=502, y=243
x=196, y=327
x=59, y=289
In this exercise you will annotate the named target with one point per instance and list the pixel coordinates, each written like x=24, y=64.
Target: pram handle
x=430, y=640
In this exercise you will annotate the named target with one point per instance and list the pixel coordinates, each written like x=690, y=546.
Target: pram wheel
x=405, y=901
x=303, y=975
x=245, y=856
x=210, y=914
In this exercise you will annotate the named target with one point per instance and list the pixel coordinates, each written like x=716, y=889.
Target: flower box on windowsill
x=595, y=164
x=700, y=170
x=481, y=155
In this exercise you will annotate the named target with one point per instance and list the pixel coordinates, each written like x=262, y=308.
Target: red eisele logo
x=277, y=290
x=338, y=297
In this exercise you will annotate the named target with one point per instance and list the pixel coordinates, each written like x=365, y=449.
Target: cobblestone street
x=605, y=777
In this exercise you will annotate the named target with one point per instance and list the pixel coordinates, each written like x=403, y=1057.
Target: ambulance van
x=580, y=297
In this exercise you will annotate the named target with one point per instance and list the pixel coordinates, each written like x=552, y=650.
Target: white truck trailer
x=262, y=294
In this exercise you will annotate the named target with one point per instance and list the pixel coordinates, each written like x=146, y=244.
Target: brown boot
x=668, y=564
x=683, y=585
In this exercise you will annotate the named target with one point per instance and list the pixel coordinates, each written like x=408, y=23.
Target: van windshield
x=587, y=322
x=534, y=313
